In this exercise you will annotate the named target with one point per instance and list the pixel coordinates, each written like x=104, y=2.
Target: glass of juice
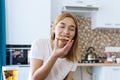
x=10, y=72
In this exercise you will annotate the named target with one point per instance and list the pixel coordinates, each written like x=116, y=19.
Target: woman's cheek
x=58, y=33
x=72, y=35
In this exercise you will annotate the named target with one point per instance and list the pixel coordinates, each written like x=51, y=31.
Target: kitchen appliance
x=80, y=3
x=90, y=56
x=17, y=54
x=81, y=6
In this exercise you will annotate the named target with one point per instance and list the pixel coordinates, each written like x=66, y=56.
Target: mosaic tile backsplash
x=97, y=38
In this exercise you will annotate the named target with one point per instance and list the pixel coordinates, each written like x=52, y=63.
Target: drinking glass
x=10, y=72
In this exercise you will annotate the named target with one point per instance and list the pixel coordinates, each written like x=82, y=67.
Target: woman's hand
x=62, y=52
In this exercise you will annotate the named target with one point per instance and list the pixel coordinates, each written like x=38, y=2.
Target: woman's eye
x=62, y=26
x=72, y=29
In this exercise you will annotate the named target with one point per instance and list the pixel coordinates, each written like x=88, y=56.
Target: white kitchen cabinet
x=58, y=5
x=106, y=73
x=107, y=15
x=116, y=13
x=56, y=9
x=23, y=72
x=26, y=20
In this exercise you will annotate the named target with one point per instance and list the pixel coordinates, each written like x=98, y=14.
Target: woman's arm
x=39, y=71
x=69, y=76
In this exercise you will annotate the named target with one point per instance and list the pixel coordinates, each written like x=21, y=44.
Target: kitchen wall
x=97, y=38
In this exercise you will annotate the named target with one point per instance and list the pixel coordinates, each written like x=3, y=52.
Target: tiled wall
x=97, y=38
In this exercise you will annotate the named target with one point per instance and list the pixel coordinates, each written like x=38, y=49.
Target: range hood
x=79, y=9
x=80, y=6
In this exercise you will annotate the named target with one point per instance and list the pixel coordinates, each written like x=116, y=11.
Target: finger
x=68, y=45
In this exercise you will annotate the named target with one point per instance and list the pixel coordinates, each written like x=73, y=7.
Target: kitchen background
x=97, y=38
x=33, y=19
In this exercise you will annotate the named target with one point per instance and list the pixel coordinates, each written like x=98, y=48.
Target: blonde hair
x=73, y=54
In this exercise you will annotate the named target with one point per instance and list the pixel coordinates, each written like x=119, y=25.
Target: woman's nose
x=66, y=31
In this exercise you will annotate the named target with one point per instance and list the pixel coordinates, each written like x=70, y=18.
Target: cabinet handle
x=79, y=1
x=117, y=24
x=108, y=24
x=116, y=69
x=89, y=6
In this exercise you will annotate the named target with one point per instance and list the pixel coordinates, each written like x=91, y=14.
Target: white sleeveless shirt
x=41, y=49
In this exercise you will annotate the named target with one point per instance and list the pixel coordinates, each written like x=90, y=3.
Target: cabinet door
x=116, y=13
x=27, y=20
x=105, y=16
x=23, y=73
x=106, y=73
x=56, y=9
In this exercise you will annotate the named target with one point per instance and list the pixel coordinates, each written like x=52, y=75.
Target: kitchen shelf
x=98, y=64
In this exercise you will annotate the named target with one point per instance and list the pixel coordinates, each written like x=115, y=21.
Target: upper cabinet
x=108, y=15
x=26, y=20
x=56, y=9
x=117, y=13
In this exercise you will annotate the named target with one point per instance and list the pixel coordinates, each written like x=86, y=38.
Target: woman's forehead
x=68, y=20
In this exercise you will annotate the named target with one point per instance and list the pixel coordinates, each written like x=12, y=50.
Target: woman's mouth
x=63, y=38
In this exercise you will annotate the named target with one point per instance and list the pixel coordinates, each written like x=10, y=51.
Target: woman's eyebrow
x=73, y=26
x=62, y=23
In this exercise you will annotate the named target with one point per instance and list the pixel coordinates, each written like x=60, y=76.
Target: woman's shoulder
x=40, y=40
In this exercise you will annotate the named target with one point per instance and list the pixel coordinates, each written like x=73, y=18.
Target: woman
x=55, y=59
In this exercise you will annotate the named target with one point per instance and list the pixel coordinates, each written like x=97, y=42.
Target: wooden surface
x=98, y=64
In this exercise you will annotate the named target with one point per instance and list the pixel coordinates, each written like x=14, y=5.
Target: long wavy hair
x=73, y=54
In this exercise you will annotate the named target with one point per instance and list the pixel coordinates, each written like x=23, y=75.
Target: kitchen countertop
x=26, y=65
x=86, y=64
x=98, y=64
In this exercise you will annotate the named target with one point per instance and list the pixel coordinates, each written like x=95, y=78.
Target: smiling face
x=65, y=28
